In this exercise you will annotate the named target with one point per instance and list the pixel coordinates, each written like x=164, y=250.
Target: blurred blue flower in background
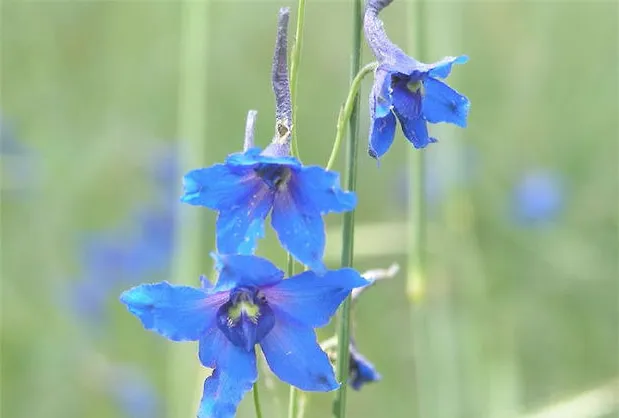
x=361, y=370
x=250, y=304
x=133, y=393
x=538, y=197
x=20, y=165
x=249, y=185
x=407, y=89
x=126, y=255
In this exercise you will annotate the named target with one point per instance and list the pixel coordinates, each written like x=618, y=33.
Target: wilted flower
x=250, y=304
x=361, y=370
x=407, y=89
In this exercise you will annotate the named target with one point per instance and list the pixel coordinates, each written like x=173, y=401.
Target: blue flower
x=538, y=197
x=361, y=371
x=408, y=90
x=251, y=184
x=250, y=304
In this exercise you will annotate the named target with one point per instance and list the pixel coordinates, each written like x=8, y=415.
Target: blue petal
x=310, y=299
x=442, y=68
x=407, y=107
x=301, y=232
x=240, y=227
x=441, y=103
x=296, y=358
x=220, y=187
x=234, y=375
x=245, y=270
x=361, y=370
x=253, y=157
x=180, y=313
x=382, y=133
x=319, y=191
x=382, y=120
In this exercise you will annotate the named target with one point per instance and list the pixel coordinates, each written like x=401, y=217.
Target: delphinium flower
x=538, y=197
x=250, y=304
x=408, y=90
x=360, y=369
x=250, y=185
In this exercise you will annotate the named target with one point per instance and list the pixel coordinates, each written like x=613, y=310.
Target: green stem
x=348, y=230
x=346, y=111
x=256, y=393
x=294, y=73
x=416, y=279
x=293, y=403
x=189, y=251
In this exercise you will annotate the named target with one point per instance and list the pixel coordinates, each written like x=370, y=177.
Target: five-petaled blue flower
x=407, y=89
x=250, y=184
x=361, y=370
x=250, y=304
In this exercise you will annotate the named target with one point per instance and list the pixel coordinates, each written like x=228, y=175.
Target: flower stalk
x=346, y=111
x=349, y=218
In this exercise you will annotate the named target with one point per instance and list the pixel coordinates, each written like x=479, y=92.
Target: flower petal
x=254, y=157
x=220, y=186
x=441, y=103
x=300, y=231
x=320, y=191
x=408, y=110
x=240, y=227
x=234, y=375
x=296, y=358
x=382, y=133
x=245, y=270
x=180, y=313
x=442, y=68
x=310, y=299
x=361, y=370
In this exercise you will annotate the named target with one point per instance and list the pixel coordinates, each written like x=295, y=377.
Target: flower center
x=246, y=318
x=275, y=176
x=415, y=86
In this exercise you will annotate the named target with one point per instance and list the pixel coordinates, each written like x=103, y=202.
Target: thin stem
x=257, y=407
x=190, y=223
x=348, y=230
x=416, y=272
x=346, y=111
x=294, y=72
x=293, y=403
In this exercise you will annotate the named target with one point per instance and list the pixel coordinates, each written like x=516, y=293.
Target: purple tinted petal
x=179, y=313
x=361, y=370
x=245, y=270
x=310, y=299
x=296, y=358
x=300, y=231
x=441, y=103
x=220, y=187
x=239, y=227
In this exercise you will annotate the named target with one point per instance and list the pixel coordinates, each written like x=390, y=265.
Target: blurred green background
x=521, y=317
